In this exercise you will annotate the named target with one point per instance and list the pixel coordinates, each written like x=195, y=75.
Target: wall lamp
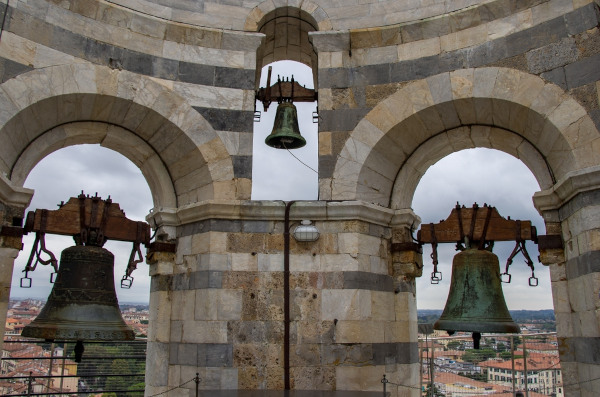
x=306, y=232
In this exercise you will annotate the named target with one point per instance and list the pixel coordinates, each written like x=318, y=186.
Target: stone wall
x=351, y=316
x=170, y=85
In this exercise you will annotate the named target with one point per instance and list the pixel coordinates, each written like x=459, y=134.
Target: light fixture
x=306, y=232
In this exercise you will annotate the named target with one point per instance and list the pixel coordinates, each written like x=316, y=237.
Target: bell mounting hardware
x=90, y=221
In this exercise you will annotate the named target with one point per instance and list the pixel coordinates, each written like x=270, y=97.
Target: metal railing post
x=29, y=383
x=62, y=371
x=49, y=381
x=525, y=367
x=512, y=360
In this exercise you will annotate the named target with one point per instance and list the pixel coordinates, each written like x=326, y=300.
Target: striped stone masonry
x=348, y=322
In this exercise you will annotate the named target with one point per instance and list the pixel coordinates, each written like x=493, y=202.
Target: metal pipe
x=286, y=296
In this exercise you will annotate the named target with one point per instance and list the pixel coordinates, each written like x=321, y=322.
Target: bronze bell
x=285, y=133
x=83, y=303
x=475, y=302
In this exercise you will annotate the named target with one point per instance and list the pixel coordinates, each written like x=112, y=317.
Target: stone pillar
x=352, y=318
x=161, y=258
x=13, y=201
x=8, y=253
x=407, y=264
x=574, y=204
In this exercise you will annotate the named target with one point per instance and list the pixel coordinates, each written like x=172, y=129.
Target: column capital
x=549, y=201
x=14, y=196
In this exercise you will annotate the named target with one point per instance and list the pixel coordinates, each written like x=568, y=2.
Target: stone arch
x=178, y=151
x=107, y=135
x=308, y=8
x=389, y=150
x=286, y=32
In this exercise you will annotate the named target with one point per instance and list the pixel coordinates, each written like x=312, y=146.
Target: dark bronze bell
x=285, y=133
x=475, y=302
x=83, y=303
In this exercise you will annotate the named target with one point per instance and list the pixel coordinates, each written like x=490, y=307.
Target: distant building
x=543, y=373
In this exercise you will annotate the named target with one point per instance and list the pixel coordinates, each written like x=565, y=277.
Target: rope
x=176, y=387
x=302, y=162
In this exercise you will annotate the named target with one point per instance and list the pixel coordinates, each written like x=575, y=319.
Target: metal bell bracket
x=127, y=280
x=90, y=221
x=436, y=276
x=39, y=247
x=519, y=247
x=470, y=226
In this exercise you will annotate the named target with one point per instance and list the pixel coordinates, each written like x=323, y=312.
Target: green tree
x=454, y=345
x=478, y=355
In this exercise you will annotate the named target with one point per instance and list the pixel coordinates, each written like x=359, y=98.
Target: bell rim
x=496, y=326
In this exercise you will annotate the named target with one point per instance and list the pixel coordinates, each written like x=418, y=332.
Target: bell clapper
x=476, y=339
x=78, y=350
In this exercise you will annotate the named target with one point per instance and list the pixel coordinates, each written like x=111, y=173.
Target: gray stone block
x=225, y=225
x=369, y=75
x=326, y=165
x=79, y=46
x=578, y=202
x=215, y=279
x=10, y=69
x=164, y=68
x=334, y=78
x=199, y=280
x=257, y=227
x=552, y=56
x=137, y=62
x=556, y=76
x=228, y=120
x=580, y=349
x=451, y=61
x=368, y=281
x=383, y=352
x=582, y=19
x=415, y=69
x=161, y=283
x=538, y=36
x=486, y=53
x=583, y=265
x=218, y=355
x=582, y=72
x=196, y=74
x=341, y=119
x=408, y=352
x=173, y=353
x=234, y=78
x=242, y=166
x=181, y=281
x=187, y=354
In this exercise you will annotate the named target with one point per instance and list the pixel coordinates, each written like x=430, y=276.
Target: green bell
x=475, y=302
x=285, y=133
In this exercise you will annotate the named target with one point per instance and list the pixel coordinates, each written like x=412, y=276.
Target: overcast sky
x=477, y=175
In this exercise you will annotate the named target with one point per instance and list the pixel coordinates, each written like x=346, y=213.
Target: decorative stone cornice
x=13, y=195
x=573, y=183
x=275, y=210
